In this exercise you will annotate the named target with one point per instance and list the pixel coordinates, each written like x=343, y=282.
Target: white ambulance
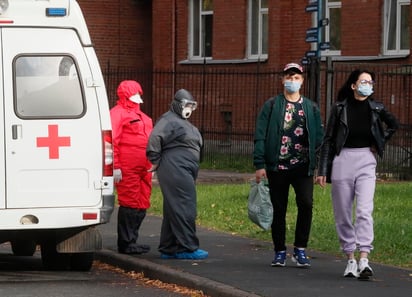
x=56, y=155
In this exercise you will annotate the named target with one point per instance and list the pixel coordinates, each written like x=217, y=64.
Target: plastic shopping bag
x=260, y=209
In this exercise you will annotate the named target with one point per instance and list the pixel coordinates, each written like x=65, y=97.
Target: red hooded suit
x=131, y=129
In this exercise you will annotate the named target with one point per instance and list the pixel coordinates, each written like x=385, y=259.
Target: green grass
x=231, y=162
x=223, y=207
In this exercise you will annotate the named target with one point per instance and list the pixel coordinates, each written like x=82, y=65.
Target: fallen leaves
x=150, y=282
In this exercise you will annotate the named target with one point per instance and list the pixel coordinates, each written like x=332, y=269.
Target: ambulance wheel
x=52, y=260
x=21, y=247
x=81, y=261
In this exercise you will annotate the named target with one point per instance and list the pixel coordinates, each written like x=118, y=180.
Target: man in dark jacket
x=288, y=133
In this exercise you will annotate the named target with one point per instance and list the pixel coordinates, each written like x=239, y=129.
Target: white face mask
x=187, y=112
x=187, y=107
x=136, y=99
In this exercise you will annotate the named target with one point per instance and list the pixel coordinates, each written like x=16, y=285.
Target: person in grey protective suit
x=174, y=151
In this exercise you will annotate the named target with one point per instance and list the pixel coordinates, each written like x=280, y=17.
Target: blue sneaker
x=299, y=257
x=196, y=255
x=280, y=259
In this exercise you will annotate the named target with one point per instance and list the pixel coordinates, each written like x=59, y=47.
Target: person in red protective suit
x=131, y=129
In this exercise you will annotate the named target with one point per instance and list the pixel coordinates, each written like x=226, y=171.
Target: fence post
x=314, y=79
x=329, y=85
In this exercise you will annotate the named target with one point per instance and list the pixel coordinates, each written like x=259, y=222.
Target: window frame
x=398, y=31
x=197, y=27
x=328, y=6
x=263, y=11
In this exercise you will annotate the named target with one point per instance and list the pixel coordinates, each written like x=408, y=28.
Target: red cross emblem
x=53, y=141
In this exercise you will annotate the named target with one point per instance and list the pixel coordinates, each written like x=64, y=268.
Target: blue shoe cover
x=196, y=255
x=167, y=256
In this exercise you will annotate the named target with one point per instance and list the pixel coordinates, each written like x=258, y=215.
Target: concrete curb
x=170, y=275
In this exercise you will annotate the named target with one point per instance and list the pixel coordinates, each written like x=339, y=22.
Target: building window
x=396, y=34
x=201, y=29
x=332, y=31
x=258, y=29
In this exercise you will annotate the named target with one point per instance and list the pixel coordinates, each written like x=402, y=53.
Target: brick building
x=229, y=53
x=181, y=35
x=165, y=34
x=121, y=31
x=216, y=48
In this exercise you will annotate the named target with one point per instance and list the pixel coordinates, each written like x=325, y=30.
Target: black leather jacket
x=337, y=132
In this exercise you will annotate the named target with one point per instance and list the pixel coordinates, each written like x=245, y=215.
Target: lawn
x=223, y=207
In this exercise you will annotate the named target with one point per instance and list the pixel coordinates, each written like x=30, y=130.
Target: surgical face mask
x=292, y=86
x=365, y=89
x=136, y=99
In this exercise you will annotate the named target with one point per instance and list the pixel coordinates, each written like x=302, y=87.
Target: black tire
x=52, y=260
x=21, y=247
x=81, y=261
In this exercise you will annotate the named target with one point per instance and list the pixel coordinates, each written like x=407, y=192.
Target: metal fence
x=230, y=98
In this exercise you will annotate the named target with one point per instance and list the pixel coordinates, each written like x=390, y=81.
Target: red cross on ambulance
x=53, y=141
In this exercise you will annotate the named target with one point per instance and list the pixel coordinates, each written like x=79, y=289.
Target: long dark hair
x=346, y=90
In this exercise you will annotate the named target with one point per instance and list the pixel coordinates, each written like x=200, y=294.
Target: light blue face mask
x=292, y=86
x=365, y=89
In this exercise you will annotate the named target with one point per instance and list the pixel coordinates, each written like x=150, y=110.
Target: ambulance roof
x=44, y=13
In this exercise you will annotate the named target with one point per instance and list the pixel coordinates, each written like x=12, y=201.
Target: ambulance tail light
x=107, y=153
x=89, y=216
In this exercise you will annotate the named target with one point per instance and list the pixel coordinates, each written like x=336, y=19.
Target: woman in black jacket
x=358, y=127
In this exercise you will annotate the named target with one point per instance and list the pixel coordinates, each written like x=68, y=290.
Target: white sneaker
x=365, y=271
x=351, y=269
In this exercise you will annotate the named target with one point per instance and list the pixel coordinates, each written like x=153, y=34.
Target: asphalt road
x=25, y=276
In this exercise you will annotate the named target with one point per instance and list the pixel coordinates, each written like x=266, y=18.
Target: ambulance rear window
x=47, y=87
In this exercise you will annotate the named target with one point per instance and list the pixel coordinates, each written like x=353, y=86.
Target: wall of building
x=362, y=27
x=152, y=35
x=286, y=36
x=120, y=31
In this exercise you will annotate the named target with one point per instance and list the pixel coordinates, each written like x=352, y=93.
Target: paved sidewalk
x=240, y=267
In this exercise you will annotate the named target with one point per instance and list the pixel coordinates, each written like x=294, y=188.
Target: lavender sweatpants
x=353, y=182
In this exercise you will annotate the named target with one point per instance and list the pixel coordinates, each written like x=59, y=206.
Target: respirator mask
x=188, y=107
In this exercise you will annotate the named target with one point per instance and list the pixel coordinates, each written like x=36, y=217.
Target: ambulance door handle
x=15, y=131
